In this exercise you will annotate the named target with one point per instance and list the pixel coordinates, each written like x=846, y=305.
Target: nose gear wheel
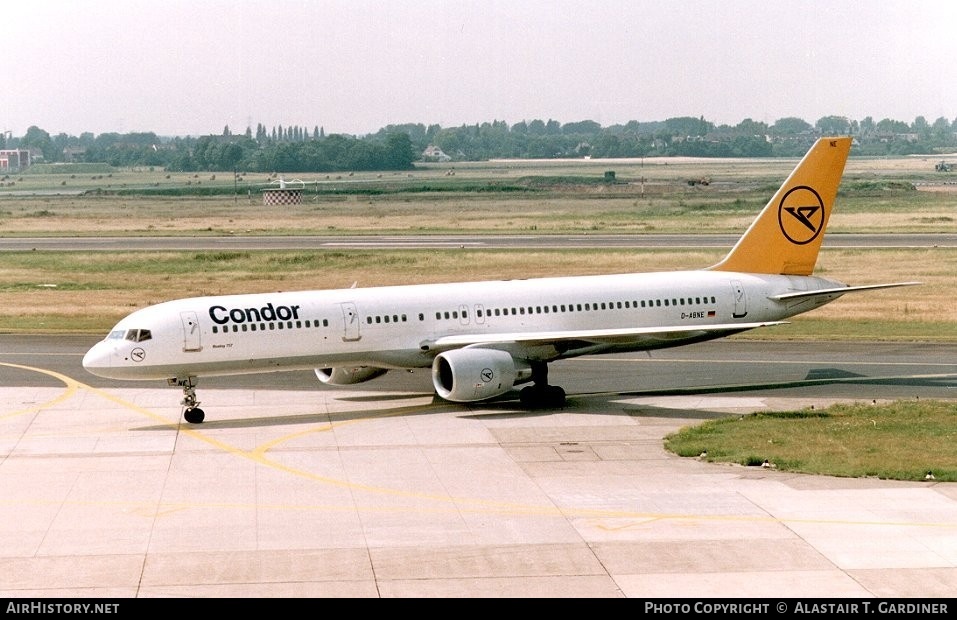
x=191, y=411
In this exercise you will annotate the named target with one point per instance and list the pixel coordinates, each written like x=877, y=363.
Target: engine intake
x=468, y=375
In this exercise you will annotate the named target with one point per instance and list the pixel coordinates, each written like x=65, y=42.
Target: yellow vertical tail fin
x=786, y=236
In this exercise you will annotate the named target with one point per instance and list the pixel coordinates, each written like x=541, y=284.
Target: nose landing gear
x=191, y=412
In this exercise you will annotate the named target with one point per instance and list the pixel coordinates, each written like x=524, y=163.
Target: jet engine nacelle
x=467, y=375
x=349, y=375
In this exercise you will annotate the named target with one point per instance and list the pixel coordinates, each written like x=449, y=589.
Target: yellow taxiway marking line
x=460, y=504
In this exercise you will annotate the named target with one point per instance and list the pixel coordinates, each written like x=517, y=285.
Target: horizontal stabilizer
x=840, y=290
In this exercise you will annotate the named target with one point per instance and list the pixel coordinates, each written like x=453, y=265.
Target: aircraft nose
x=97, y=359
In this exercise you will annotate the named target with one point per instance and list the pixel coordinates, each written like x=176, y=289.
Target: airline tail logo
x=801, y=215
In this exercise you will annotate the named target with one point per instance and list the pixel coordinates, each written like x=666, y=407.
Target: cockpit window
x=138, y=335
x=133, y=335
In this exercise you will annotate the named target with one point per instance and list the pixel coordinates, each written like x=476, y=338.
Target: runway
x=295, y=489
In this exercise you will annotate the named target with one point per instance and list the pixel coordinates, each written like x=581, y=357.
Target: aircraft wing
x=839, y=290
x=578, y=338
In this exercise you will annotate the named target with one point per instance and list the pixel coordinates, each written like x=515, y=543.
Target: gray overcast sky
x=354, y=66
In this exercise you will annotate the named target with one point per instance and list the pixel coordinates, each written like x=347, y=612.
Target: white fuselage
x=402, y=326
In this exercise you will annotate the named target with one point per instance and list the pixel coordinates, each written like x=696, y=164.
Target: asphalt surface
x=296, y=489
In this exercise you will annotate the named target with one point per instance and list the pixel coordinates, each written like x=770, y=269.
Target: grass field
x=901, y=441
x=499, y=197
x=88, y=292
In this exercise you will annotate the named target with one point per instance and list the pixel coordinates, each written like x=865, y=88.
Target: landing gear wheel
x=194, y=415
x=191, y=412
x=540, y=394
x=554, y=396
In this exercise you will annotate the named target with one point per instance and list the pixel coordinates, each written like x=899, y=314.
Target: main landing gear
x=540, y=395
x=191, y=412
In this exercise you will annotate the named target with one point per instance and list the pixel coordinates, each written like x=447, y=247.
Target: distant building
x=74, y=153
x=14, y=160
x=434, y=153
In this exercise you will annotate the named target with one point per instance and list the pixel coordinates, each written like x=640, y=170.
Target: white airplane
x=482, y=339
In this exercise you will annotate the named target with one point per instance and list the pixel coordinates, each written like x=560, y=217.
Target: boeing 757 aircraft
x=482, y=339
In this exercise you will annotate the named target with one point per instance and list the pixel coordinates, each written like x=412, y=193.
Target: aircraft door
x=464, y=314
x=479, y=313
x=192, y=340
x=350, y=320
x=740, y=300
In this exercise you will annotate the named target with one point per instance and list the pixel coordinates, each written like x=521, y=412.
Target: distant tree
x=750, y=146
x=229, y=156
x=38, y=139
x=536, y=128
x=940, y=131
x=921, y=127
x=790, y=126
x=226, y=131
x=607, y=145
x=61, y=142
x=688, y=126
x=748, y=127
x=399, y=152
x=581, y=128
x=181, y=161
x=833, y=126
x=891, y=126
